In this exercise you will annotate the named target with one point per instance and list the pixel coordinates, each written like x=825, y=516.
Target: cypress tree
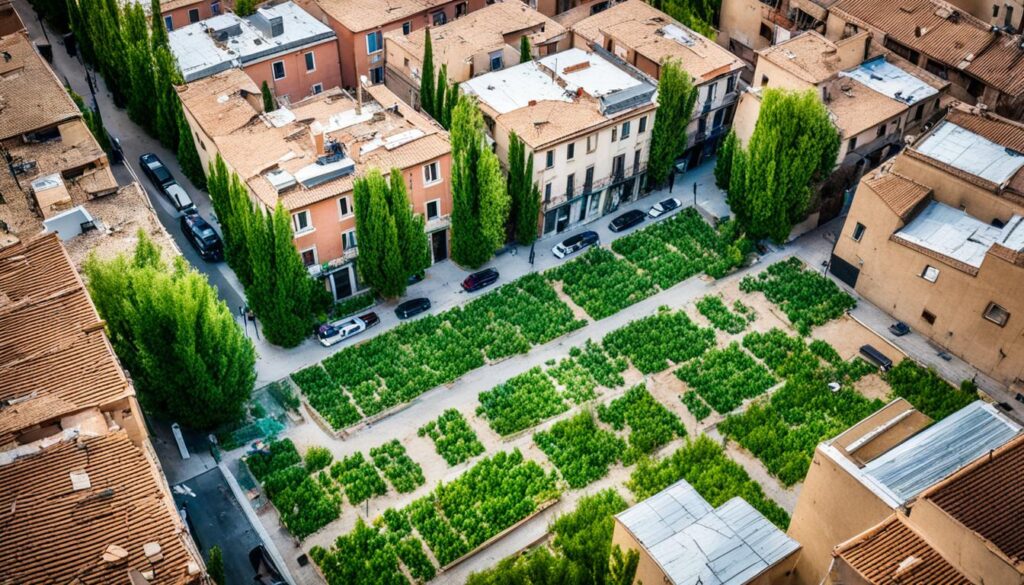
x=269, y=103
x=159, y=30
x=167, y=101
x=368, y=227
x=188, y=156
x=493, y=201
x=451, y=98
x=524, y=49
x=427, y=76
x=529, y=210
x=676, y=98
x=412, y=241
x=439, y=96
x=516, y=166
x=723, y=164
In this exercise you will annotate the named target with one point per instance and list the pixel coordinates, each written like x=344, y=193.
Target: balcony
x=595, y=187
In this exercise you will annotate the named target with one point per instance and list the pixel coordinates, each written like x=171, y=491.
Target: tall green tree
x=427, y=76
x=440, y=91
x=188, y=357
x=188, y=156
x=167, y=101
x=723, y=164
x=524, y=195
x=245, y=7
x=215, y=567
x=479, y=195
x=412, y=239
x=794, y=145
x=269, y=104
x=237, y=217
x=676, y=98
x=451, y=99
x=159, y=36
x=524, y=49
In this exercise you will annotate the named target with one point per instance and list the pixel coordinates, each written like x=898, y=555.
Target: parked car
x=155, y=170
x=664, y=206
x=479, y=280
x=575, y=243
x=179, y=198
x=202, y=236
x=627, y=220
x=267, y=572
x=899, y=329
x=876, y=356
x=331, y=333
x=412, y=308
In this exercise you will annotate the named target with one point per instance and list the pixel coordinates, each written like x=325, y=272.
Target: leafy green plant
x=807, y=298
x=651, y=425
x=705, y=466
x=585, y=369
x=721, y=317
x=601, y=284
x=359, y=478
x=331, y=402
x=280, y=455
x=521, y=402
x=724, y=378
x=364, y=556
x=929, y=393
x=318, y=458
x=403, y=473
x=651, y=343
x=453, y=437
x=696, y=405
x=284, y=395
x=354, y=304
x=580, y=450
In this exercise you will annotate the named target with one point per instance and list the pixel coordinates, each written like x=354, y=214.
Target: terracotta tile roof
x=927, y=26
x=215, y=104
x=640, y=26
x=898, y=192
x=31, y=97
x=878, y=554
x=988, y=498
x=56, y=534
x=32, y=266
x=169, y=5
x=361, y=15
x=856, y=107
x=810, y=56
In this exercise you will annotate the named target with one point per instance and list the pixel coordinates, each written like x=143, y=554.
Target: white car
x=662, y=207
x=575, y=243
x=338, y=331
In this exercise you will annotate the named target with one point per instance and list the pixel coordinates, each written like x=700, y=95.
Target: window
x=374, y=42
x=625, y=129
x=719, y=118
x=193, y=15
x=730, y=84
x=995, y=11
x=930, y=273
x=592, y=143
x=433, y=209
x=348, y=240
x=215, y=8
x=343, y=207
x=997, y=314
x=317, y=88
x=643, y=125
x=588, y=181
x=636, y=161
x=406, y=28
x=460, y=9
x=300, y=222
x=928, y=316
x=852, y=144
x=764, y=80
x=377, y=75
x=431, y=173
x=169, y=22
x=881, y=130
x=439, y=18
x=615, y=133
x=310, y=62
x=497, y=61
x=278, y=67
x=858, y=231
x=549, y=159
x=570, y=184
x=711, y=91
x=766, y=31
x=1008, y=21
x=547, y=193
x=309, y=257
x=919, y=112
x=570, y=151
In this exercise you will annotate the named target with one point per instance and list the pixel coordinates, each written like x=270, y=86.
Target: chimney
x=318, y=141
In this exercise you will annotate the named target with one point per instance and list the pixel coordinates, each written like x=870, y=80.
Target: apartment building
x=82, y=496
x=748, y=26
x=645, y=37
x=1005, y=14
x=886, y=465
x=983, y=64
x=361, y=25
x=179, y=13
x=55, y=166
x=553, y=8
x=874, y=97
x=682, y=539
x=586, y=119
x=486, y=40
x=282, y=45
x=306, y=157
x=936, y=238
x=963, y=530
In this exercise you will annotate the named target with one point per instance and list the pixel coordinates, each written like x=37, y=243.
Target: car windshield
x=572, y=241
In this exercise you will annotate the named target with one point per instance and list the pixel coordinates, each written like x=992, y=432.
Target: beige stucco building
x=309, y=155
x=682, y=539
x=936, y=239
x=483, y=41
x=880, y=466
x=586, y=120
x=645, y=37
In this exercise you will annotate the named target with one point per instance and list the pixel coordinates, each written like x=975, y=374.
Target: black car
x=155, y=170
x=267, y=572
x=899, y=329
x=479, y=280
x=627, y=220
x=412, y=307
x=575, y=244
x=202, y=236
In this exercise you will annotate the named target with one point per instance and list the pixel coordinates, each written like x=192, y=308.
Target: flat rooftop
x=955, y=234
x=926, y=458
x=516, y=87
x=972, y=153
x=693, y=542
x=227, y=40
x=889, y=80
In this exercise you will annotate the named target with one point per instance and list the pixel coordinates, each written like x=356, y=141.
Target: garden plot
x=731, y=319
x=582, y=451
x=453, y=437
x=653, y=342
x=807, y=298
x=521, y=402
x=722, y=379
x=650, y=424
x=403, y=473
x=602, y=284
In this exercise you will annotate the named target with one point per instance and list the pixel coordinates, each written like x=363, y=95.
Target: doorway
x=439, y=245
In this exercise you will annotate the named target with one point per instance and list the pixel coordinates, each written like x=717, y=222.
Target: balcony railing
x=596, y=187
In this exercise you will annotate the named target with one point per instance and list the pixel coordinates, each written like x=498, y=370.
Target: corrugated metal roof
x=694, y=543
x=890, y=80
x=940, y=450
x=970, y=152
